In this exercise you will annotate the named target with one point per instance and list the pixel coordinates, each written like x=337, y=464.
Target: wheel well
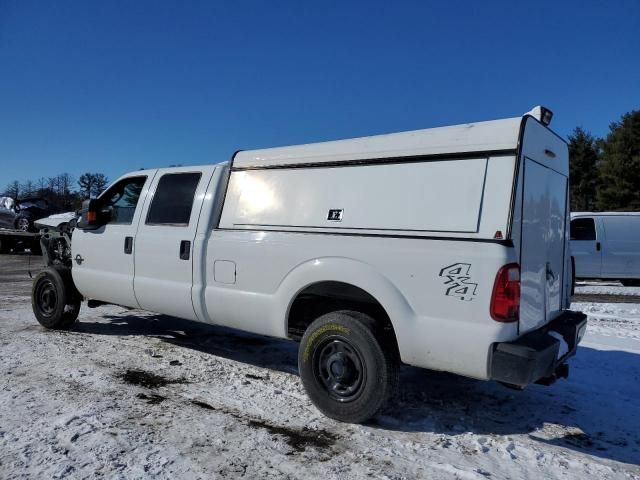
x=329, y=296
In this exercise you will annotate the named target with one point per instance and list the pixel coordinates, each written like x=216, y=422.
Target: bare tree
x=28, y=188
x=13, y=189
x=41, y=185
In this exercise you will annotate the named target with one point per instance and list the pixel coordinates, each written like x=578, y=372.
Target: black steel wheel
x=338, y=365
x=54, y=299
x=46, y=297
x=348, y=372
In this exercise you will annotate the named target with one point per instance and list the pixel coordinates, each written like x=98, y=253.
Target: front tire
x=55, y=301
x=348, y=373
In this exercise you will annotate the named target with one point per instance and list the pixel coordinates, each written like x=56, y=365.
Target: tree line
x=60, y=190
x=605, y=172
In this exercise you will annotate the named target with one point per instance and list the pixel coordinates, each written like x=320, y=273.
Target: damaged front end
x=55, y=238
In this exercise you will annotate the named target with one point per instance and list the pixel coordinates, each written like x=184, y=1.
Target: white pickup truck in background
x=444, y=248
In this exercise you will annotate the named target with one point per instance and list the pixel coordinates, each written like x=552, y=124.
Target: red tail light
x=505, y=300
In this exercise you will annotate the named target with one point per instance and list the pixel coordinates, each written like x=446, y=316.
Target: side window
x=122, y=199
x=173, y=199
x=583, y=229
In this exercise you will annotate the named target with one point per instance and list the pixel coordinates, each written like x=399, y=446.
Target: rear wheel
x=348, y=373
x=23, y=224
x=54, y=299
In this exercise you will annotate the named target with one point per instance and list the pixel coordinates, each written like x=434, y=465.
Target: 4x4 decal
x=458, y=281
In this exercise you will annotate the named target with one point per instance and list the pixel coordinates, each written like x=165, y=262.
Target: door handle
x=597, y=246
x=550, y=275
x=128, y=245
x=185, y=249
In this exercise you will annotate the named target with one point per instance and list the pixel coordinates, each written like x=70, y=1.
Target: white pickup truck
x=444, y=248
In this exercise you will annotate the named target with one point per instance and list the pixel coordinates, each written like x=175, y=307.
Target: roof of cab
x=495, y=135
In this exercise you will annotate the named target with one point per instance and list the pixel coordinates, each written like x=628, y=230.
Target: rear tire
x=23, y=224
x=54, y=298
x=348, y=373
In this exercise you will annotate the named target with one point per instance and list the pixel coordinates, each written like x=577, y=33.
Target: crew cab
x=444, y=248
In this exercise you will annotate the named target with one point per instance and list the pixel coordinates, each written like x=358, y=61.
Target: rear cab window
x=173, y=200
x=583, y=229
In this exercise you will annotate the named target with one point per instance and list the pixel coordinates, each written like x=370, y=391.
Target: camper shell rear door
x=544, y=224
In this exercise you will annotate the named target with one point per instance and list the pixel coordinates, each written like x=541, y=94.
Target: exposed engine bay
x=55, y=238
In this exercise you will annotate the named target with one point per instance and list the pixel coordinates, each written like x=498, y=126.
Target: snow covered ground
x=128, y=394
x=605, y=288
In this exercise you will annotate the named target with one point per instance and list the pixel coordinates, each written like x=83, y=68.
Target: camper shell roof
x=495, y=136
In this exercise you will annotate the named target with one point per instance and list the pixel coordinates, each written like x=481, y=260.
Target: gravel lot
x=130, y=394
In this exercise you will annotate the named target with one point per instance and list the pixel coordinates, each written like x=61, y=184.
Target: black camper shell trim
x=436, y=157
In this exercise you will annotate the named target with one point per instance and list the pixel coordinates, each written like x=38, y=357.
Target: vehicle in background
x=606, y=245
x=22, y=214
x=444, y=248
x=54, y=230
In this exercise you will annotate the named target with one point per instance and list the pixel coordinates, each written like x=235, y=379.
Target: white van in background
x=607, y=245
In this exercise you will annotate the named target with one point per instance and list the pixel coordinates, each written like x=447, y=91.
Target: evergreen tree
x=620, y=166
x=92, y=184
x=583, y=170
x=100, y=183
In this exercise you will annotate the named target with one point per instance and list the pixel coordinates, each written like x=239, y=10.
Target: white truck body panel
x=608, y=246
x=301, y=198
x=272, y=267
x=544, y=228
x=421, y=221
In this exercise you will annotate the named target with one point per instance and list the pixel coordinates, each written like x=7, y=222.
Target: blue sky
x=112, y=86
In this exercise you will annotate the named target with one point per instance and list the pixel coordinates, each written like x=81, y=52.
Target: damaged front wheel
x=54, y=298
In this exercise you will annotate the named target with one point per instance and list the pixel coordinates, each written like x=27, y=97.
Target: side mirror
x=92, y=216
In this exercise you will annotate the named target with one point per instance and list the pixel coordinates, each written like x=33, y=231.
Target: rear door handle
x=597, y=246
x=128, y=245
x=185, y=249
x=550, y=275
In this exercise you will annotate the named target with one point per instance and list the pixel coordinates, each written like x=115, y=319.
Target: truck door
x=543, y=244
x=586, y=247
x=103, y=258
x=164, y=245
